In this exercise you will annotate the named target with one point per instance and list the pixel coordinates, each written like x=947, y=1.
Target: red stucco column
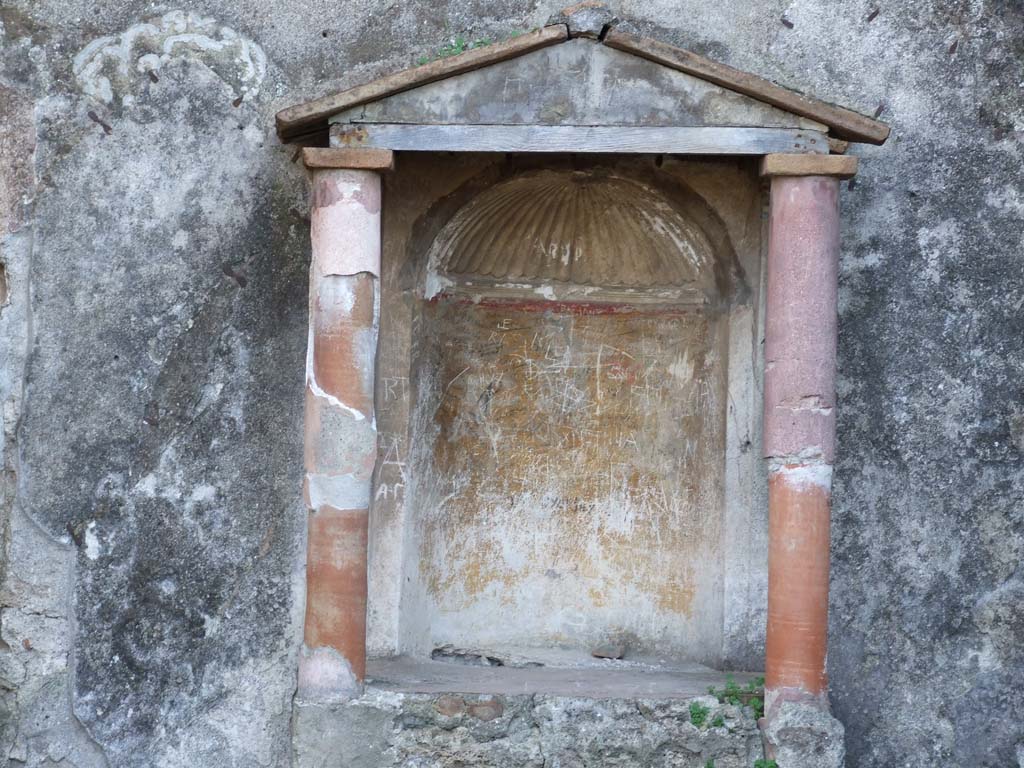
x=799, y=417
x=340, y=430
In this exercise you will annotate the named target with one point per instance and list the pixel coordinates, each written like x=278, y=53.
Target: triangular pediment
x=580, y=82
x=547, y=78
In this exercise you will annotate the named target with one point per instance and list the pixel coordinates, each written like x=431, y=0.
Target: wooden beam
x=845, y=123
x=838, y=146
x=308, y=117
x=360, y=159
x=569, y=138
x=843, y=166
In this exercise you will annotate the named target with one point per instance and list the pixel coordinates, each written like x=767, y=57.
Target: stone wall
x=152, y=331
x=387, y=730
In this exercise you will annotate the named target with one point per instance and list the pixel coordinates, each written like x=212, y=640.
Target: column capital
x=321, y=158
x=841, y=166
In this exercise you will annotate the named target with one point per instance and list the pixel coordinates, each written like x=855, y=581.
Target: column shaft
x=340, y=433
x=799, y=428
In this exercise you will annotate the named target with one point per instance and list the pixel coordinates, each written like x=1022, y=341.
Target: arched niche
x=579, y=234
x=568, y=424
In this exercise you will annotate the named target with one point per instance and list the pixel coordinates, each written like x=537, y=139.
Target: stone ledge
x=384, y=729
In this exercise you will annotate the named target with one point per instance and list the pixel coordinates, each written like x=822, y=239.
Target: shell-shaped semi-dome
x=582, y=228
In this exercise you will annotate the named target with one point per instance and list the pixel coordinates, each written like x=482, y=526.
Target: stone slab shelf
x=551, y=673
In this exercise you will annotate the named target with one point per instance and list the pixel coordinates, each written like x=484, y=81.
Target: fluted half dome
x=583, y=228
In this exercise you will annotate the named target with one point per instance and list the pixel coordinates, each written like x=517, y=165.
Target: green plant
x=460, y=45
x=699, y=714
x=750, y=695
x=718, y=722
x=710, y=763
x=454, y=48
x=762, y=763
x=757, y=704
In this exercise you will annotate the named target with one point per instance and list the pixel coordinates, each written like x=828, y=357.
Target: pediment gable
x=548, y=78
x=580, y=82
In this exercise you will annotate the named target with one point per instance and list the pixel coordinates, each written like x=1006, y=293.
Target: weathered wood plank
x=360, y=159
x=845, y=123
x=838, y=146
x=562, y=138
x=843, y=166
x=304, y=118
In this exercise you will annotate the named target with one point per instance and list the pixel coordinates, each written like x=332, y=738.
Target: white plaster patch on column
x=318, y=391
x=805, y=475
x=368, y=342
x=326, y=677
x=345, y=223
x=812, y=454
x=335, y=291
x=335, y=402
x=338, y=491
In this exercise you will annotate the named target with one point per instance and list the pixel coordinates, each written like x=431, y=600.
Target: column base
x=326, y=677
x=803, y=734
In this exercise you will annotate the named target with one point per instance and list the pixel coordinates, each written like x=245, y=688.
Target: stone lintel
x=842, y=166
x=337, y=157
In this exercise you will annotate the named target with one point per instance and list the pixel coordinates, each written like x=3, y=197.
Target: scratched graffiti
x=576, y=474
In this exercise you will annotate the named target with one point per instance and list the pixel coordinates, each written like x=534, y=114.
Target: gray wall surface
x=152, y=333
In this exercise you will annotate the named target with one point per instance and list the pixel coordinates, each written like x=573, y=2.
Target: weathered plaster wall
x=573, y=483
x=150, y=587
x=154, y=244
